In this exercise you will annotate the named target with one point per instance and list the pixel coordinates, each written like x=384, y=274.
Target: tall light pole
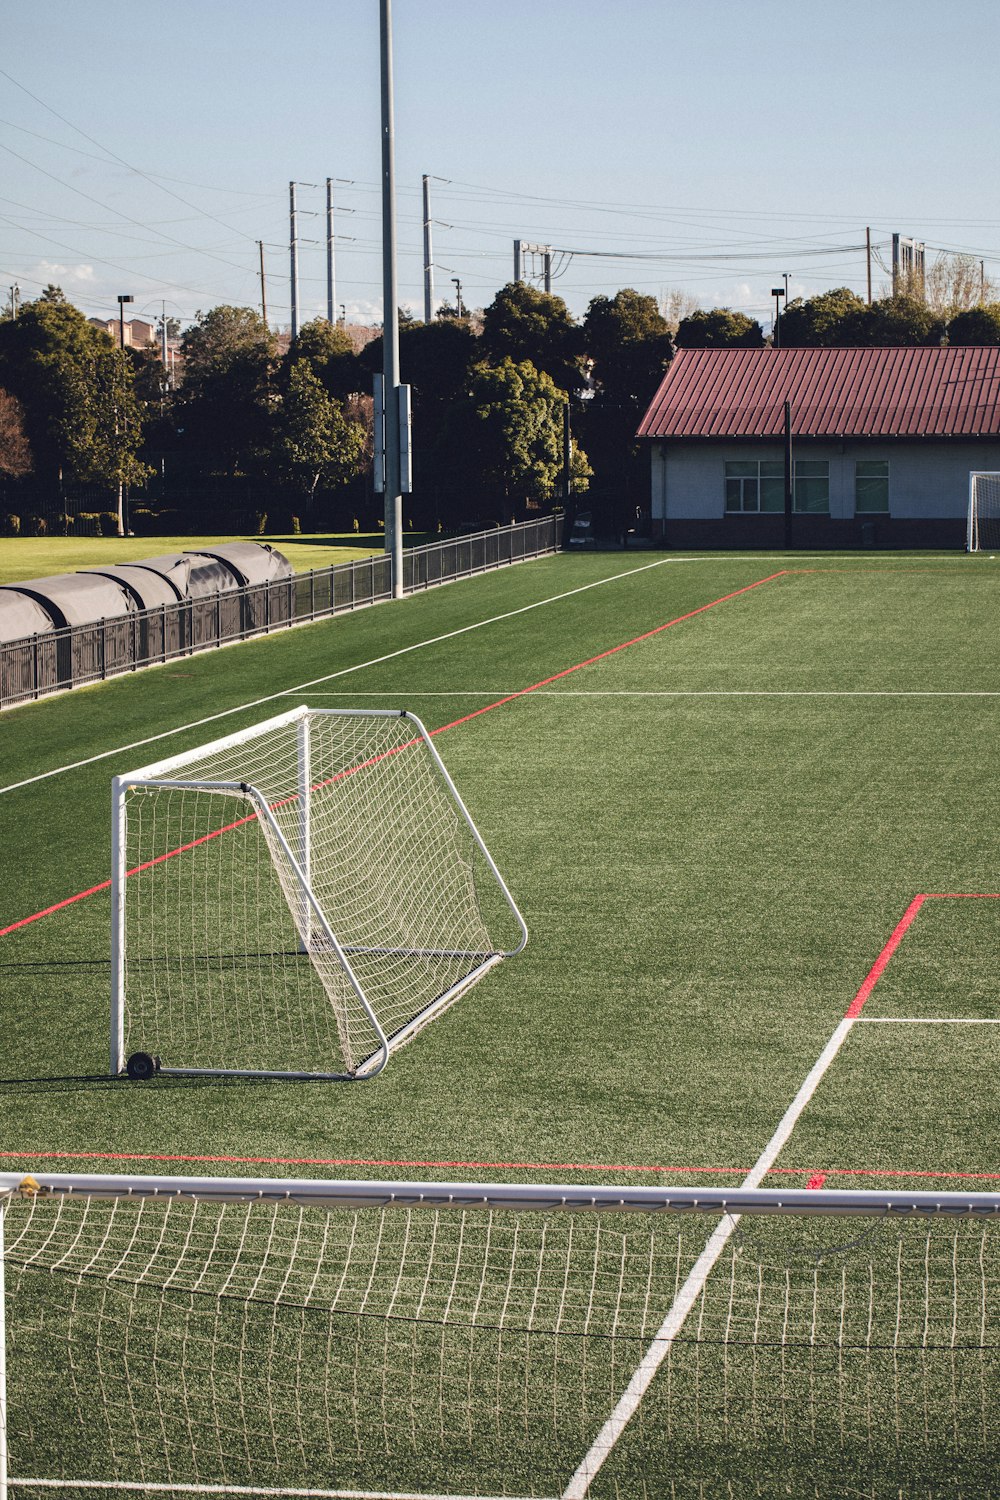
x=331, y=275
x=777, y=292
x=428, y=255
x=122, y=299
x=390, y=313
x=293, y=257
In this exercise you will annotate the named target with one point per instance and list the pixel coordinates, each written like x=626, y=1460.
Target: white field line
x=236, y=1489
x=686, y=1298
x=362, y=666
x=929, y=1020
x=682, y=693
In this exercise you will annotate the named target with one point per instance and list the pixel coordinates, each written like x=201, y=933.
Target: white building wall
x=927, y=480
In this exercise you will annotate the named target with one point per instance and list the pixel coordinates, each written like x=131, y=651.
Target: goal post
x=296, y=900
x=983, y=522
x=328, y=1338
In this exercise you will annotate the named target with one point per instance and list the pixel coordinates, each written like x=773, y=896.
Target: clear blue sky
x=721, y=139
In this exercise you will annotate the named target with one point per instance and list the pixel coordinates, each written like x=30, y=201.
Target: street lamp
x=777, y=292
x=122, y=299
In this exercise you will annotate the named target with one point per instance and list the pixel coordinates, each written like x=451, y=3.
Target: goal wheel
x=141, y=1066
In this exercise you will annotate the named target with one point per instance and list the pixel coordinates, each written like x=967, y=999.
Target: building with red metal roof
x=882, y=444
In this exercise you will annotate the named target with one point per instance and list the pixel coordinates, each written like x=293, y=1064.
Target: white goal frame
x=972, y=542
x=311, y=917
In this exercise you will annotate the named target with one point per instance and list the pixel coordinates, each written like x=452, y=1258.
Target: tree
x=15, y=452
x=820, y=322
x=316, y=442
x=115, y=429
x=627, y=338
x=522, y=323
x=322, y=344
x=957, y=283
x=903, y=320
x=979, y=325
x=675, y=305
x=77, y=391
x=719, y=329
x=516, y=424
x=226, y=400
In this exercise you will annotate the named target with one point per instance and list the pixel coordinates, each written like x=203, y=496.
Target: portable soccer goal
x=395, y=1340
x=296, y=900
x=983, y=526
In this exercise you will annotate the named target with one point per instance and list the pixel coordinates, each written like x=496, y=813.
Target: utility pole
x=868, y=252
x=982, y=282
x=293, y=256
x=163, y=334
x=331, y=280
x=263, y=284
x=789, y=476
x=428, y=255
x=390, y=312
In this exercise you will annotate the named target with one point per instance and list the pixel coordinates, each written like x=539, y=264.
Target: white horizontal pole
x=540, y=1197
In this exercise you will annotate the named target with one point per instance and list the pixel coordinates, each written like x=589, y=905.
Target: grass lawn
x=22, y=558
x=714, y=830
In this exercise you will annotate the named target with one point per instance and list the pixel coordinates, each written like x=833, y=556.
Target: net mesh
x=984, y=512
x=226, y=964
x=478, y=1351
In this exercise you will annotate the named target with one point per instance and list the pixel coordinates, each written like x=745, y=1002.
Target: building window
x=871, y=487
x=812, y=487
x=755, y=485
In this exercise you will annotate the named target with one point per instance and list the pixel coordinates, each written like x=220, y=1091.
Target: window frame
x=882, y=510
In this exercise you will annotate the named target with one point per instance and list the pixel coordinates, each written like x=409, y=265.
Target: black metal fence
x=59, y=659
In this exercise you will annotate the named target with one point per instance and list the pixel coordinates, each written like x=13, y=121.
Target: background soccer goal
x=331, y=1338
x=296, y=900
x=983, y=530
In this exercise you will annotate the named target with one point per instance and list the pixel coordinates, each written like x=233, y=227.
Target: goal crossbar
x=548, y=1198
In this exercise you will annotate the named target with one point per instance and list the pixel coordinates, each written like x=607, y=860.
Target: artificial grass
x=711, y=835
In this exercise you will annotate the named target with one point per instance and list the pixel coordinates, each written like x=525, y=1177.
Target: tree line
x=289, y=430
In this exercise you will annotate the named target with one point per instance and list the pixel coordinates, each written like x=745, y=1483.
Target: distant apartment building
x=138, y=334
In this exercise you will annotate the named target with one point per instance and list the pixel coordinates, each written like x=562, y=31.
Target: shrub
x=355, y=525
x=88, y=523
x=39, y=526
x=296, y=526
x=109, y=523
x=261, y=522
x=13, y=525
x=66, y=523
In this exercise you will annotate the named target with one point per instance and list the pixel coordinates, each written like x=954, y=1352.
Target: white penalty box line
x=689, y=1293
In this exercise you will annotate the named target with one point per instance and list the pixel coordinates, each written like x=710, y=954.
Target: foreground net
x=297, y=899
x=460, y=1340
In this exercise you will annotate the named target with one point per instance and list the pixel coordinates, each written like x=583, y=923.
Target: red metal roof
x=926, y=393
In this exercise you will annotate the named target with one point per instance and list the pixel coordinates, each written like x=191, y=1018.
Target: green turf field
x=714, y=833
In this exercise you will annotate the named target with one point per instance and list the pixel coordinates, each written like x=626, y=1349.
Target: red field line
x=816, y=1179
x=878, y=968
x=512, y=697
x=603, y=655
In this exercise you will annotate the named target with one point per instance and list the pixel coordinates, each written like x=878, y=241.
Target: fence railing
x=60, y=659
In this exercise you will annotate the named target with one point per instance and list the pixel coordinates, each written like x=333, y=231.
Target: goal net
x=983, y=528
x=407, y=1339
x=297, y=899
